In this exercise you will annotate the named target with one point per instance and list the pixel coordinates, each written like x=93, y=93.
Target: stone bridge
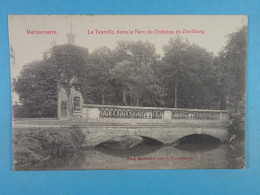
x=167, y=125
x=165, y=134
x=103, y=122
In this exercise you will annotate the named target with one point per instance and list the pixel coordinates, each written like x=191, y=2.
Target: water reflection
x=125, y=146
x=140, y=149
x=197, y=142
x=143, y=156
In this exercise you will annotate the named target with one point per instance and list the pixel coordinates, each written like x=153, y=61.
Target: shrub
x=36, y=144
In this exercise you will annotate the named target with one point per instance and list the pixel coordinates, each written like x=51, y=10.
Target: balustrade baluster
x=119, y=113
x=153, y=113
x=103, y=113
x=109, y=113
x=100, y=112
x=115, y=113
x=175, y=115
x=139, y=113
x=106, y=113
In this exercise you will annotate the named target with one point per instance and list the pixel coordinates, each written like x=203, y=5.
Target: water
x=217, y=156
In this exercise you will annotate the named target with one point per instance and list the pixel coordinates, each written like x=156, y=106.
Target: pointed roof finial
x=71, y=36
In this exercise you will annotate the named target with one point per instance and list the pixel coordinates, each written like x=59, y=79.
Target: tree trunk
x=137, y=101
x=103, y=98
x=175, y=91
x=124, y=97
x=222, y=103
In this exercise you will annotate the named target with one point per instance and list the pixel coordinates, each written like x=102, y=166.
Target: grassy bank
x=34, y=145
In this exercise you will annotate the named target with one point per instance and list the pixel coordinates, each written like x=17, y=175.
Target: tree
x=220, y=70
x=37, y=90
x=235, y=58
x=231, y=68
x=174, y=57
x=187, y=70
x=38, y=82
x=99, y=78
x=135, y=75
x=198, y=79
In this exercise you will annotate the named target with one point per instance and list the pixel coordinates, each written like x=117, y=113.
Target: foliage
x=187, y=76
x=134, y=74
x=231, y=66
x=97, y=77
x=37, y=91
x=37, y=85
x=33, y=145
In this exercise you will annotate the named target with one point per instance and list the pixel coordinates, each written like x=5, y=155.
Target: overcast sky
x=29, y=47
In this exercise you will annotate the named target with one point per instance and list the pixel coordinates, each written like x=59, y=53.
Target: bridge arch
x=194, y=138
x=165, y=134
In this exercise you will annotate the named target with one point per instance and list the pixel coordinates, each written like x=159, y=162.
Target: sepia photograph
x=128, y=91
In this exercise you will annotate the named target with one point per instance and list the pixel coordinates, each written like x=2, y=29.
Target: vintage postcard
x=128, y=91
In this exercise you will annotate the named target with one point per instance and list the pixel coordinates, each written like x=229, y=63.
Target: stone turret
x=69, y=106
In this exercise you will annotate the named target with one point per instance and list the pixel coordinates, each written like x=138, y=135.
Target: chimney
x=71, y=37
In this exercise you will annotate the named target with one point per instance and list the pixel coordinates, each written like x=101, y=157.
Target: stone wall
x=62, y=96
x=165, y=134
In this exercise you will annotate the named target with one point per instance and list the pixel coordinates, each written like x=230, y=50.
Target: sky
x=30, y=47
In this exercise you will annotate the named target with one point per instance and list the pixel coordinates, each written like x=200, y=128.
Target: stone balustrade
x=136, y=113
x=152, y=113
x=198, y=115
